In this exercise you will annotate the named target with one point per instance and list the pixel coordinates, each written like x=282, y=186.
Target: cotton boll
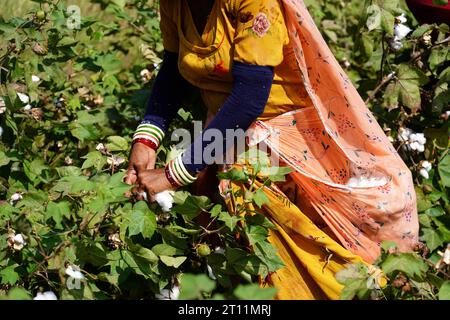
x=15, y=197
x=1, y=131
x=165, y=200
x=414, y=145
x=35, y=78
x=401, y=31
x=48, y=295
x=23, y=97
x=404, y=134
x=27, y=107
x=401, y=18
x=395, y=45
x=420, y=148
x=74, y=272
x=18, y=242
x=426, y=165
x=420, y=138
x=424, y=173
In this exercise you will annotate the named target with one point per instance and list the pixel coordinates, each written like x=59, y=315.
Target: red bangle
x=147, y=142
x=169, y=177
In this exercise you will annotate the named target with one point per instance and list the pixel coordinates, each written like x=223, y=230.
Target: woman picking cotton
x=264, y=66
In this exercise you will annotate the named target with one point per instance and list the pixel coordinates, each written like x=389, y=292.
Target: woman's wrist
x=177, y=174
x=148, y=134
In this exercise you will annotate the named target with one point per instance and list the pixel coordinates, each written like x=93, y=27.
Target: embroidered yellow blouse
x=247, y=31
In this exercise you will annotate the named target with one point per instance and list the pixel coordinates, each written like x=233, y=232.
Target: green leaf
x=432, y=238
x=438, y=57
x=192, y=286
x=193, y=206
x=163, y=249
x=354, y=278
x=444, y=291
x=406, y=88
x=94, y=159
x=260, y=198
x=254, y=292
x=256, y=234
x=267, y=253
x=57, y=211
x=444, y=170
x=408, y=263
x=276, y=174
x=34, y=169
x=141, y=222
x=435, y=212
x=9, y=275
x=229, y=220
x=234, y=175
x=173, y=262
x=116, y=143
x=17, y=293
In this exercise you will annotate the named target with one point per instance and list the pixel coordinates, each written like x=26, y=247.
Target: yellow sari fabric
x=311, y=256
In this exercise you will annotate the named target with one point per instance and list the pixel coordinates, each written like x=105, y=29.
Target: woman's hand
x=152, y=182
x=142, y=158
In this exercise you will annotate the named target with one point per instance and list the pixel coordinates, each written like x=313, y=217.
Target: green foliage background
x=72, y=209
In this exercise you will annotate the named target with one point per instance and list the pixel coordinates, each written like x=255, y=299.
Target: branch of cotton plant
x=437, y=44
x=383, y=82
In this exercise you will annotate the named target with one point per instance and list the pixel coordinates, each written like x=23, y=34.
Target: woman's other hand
x=152, y=182
x=142, y=158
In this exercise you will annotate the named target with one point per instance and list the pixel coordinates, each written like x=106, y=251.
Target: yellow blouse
x=247, y=31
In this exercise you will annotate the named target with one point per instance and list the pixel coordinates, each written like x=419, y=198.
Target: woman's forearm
x=248, y=98
x=163, y=104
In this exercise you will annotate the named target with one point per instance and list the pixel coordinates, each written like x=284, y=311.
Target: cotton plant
x=401, y=30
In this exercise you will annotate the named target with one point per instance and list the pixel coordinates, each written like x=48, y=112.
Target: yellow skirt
x=310, y=255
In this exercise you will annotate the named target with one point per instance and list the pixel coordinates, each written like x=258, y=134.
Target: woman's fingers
x=131, y=176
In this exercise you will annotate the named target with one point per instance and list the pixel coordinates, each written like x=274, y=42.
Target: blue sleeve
x=247, y=100
x=163, y=104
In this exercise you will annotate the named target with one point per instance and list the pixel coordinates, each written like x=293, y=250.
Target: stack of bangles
x=175, y=171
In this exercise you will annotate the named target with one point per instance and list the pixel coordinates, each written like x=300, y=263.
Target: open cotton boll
x=48, y=295
x=27, y=107
x=23, y=97
x=35, y=78
x=424, y=173
x=168, y=294
x=427, y=165
x=401, y=18
x=401, y=31
x=165, y=200
x=74, y=272
x=1, y=131
x=363, y=182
